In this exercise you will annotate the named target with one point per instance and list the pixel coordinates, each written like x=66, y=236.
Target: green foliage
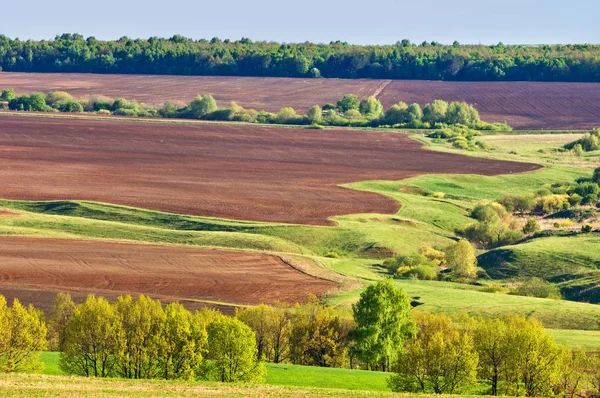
x=60, y=314
x=55, y=99
x=383, y=324
x=531, y=226
x=7, y=94
x=371, y=106
x=435, y=112
x=233, y=353
x=591, y=142
x=348, y=102
x=22, y=337
x=315, y=113
x=494, y=226
x=440, y=359
x=461, y=260
x=537, y=287
x=200, y=107
x=92, y=338
x=272, y=327
x=286, y=115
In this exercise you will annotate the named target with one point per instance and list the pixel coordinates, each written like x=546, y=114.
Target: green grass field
x=287, y=375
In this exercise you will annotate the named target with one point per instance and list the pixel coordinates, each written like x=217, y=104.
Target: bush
x=348, y=101
x=70, y=106
x=57, y=98
x=536, y=287
x=7, y=95
x=286, y=115
x=587, y=228
x=531, y=226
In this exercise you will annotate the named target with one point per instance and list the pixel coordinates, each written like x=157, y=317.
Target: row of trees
x=348, y=111
x=141, y=339
x=182, y=56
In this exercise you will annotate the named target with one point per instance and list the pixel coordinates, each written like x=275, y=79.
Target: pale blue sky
x=361, y=22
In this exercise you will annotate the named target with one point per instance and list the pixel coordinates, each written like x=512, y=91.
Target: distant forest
x=403, y=60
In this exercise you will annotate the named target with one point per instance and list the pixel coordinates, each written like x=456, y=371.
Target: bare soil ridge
x=524, y=105
x=35, y=269
x=241, y=172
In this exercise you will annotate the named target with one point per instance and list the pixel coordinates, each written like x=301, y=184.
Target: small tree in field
x=371, y=106
x=383, y=323
x=60, y=314
x=22, y=337
x=315, y=114
x=460, y=258
x=348, y=102
x=232, y=348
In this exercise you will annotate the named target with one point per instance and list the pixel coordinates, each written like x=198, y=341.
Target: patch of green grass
x=587, y=340
x=573, y=262
x=287, y=375
x=455, y=298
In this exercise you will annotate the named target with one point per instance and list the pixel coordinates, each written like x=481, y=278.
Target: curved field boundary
x=226, y=171
x=35, y=269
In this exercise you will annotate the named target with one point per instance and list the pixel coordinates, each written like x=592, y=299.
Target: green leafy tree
x=496, y=355
x=435, y=112
x=397, y=114
x=596, y=176
x=183, y=341
x=383, y=324
x=440, y=359
x=286, y=115
x=414, y=114
x=531, y=226
x=143, y=323
x=55, y=98
x=61, y=312
x=201, y=106
x=371, y=106
x=315, y=114
x=232, y=350
x=461, y=259
x=22, y=337
x=7, y=94
x=93, y=339
x=572, y=371
x=272, y=327
x=348, y=102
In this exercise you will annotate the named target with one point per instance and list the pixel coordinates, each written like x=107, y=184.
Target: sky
x=320, y=21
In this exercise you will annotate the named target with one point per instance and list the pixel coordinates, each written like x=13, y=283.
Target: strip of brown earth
x=35, y=269
x=524, y=105
x=230, y=171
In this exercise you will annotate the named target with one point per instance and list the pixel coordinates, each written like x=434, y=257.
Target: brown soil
x=35, y=269
x=258, y=93
x=5, y=213
x=231, y=171
x=524, y=105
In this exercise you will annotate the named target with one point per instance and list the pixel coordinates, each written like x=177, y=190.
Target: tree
x=319, y=335
x=201, y=106
x=143, y=323
x=93, y=339
x=37, y=102
x=531, y=226
x=61, y=312
x=271, y=326
x=596, y=176
x=22, y=337
x=183, y=341
x=397, y=114
x=56, y=98
x=435, y=112
x=348, y=102
x=460, y=258
x=572, y=372
x=383, y=324
x=232, y=348
x=7, y=94
x=461, y=113
x=494, y=351
x=371, y=106
x=286, y=115
x=414, y=114
x=440, y=359
x=315, y=114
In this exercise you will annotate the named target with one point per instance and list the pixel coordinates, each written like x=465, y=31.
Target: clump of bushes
x=536, y=287
x=589, y=143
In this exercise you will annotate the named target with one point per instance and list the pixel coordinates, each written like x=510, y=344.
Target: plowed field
x=34, y=270
x=524, y=105
x=231, y=171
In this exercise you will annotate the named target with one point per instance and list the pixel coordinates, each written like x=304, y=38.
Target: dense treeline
x=141, y=339
x=182, y=56
x=350, y=111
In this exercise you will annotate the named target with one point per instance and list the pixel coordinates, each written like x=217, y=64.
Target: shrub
x=7, y=94
x=531, y=226
x=286, y=115
x=314, y=114
x=552, y=203
x=56, y=98
x=353, y=114
x=371, y=106
x=348, y=101
x=587, y=228
x=70, y=106
x=536, y=287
